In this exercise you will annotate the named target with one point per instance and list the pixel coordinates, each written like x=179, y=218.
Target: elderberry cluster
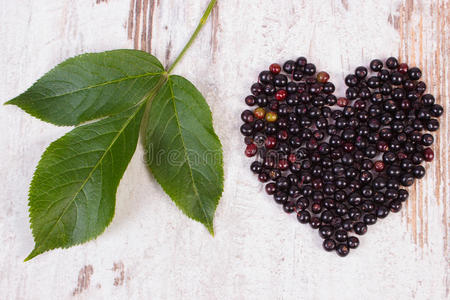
x=339, y=163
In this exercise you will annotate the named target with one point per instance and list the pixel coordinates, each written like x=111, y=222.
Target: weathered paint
x=153, y=251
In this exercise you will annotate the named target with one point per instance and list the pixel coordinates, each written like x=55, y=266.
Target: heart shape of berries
x=340, y=163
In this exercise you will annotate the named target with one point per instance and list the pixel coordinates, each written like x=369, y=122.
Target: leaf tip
x=210, y=228
x=10, y=102
x=32, y=255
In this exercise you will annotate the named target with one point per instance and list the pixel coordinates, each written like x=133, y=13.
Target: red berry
x=316, y=208
x=270, y=142
x=251, y=150
x=283, y=164
x=403, y=68
x=275, y=68
x=379, y=166
x=342, y=102
x=283, y=135
x=280, y=95
x=292, y=158
x=428, y=154
x=263, y=177
x=348, y=147
x=323, y=77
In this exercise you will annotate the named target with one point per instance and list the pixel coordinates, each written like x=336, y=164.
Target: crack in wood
x=168, y=51
x=131, y=19
x=119, y=268
x=140, y=23
x=214, y=31
x=345, y=4
x=84, y=279
x=433, y=61
x=137, y=23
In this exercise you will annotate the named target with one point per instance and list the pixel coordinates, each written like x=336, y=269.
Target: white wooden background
x=151, y=250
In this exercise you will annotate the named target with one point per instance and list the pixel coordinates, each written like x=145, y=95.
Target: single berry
x=326, y=231
x=251, y=150
x=379, y=166
x=247, y=116
x=395, y=206
x=289, y=207
x=280, y=95
x=361, y=72
x=270, y=142
x=329, y=245
x=259, y=113
x=353, y=242
x=392, y=63
x=418, y=172
x=351, y=80
x=396, y=78
x=342, y=102
x=370, y=219
x=271, y=188
x=376, y=65
x=315, y=222
x=271, y=116
x=256, y=167
x=407, y=179
x=247, y=129
x=428, y=154
x=360, y=228
x=323, y=77
x=275, y=69
x=250, y=100
x=414, y=73
x=303, y=217
x=310, y=69
x=342, y=250
x=289, y=66
x=403, y=68
x=340, y=235
x=280, y=197
x=382, y=212
x=436, y=110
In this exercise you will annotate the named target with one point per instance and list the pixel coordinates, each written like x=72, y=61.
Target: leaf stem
x=194, y=35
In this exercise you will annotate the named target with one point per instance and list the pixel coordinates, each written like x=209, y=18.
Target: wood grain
x=151, y=250
x=417, y=26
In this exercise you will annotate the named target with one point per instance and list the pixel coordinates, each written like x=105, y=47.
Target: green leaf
x=90, y=86
x=73, y=191
x=183, y=151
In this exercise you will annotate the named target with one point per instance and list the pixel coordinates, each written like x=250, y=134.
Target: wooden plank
x=151, y=250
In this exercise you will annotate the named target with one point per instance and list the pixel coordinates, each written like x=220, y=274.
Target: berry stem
x=194, y=35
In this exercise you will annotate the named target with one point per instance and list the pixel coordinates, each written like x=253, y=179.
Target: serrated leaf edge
x=35, y=251
x=39, y=116
x=209, y=224
x=141, y=103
